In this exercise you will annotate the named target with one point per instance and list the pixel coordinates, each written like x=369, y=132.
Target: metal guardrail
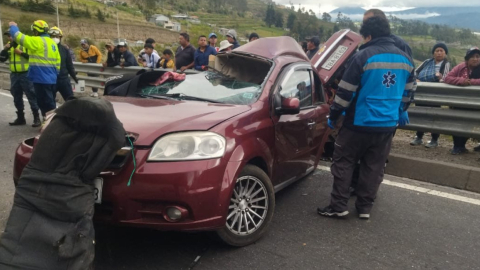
x=101, y=73
x=455, y=110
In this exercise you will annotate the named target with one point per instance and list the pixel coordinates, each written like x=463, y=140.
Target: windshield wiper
x=157, y=96
x=187, y=97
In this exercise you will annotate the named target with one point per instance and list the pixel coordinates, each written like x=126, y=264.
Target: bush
x=38, y=7
x=73, y=41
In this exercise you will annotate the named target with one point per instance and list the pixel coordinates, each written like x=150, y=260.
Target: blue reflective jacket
x=376, y=85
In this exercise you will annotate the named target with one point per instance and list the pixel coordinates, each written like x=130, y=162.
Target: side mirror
x=289, y=105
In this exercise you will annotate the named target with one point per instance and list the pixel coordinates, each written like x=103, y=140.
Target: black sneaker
x=416, y=141
x=477, y=148
x=363, y=215
x=329, y=212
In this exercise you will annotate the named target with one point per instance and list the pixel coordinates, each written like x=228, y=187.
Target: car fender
x=242, y=154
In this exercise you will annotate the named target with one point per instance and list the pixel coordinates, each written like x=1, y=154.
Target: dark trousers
x=459, y=142
x=20, y=84
x=371, y=149
x=64, y=87
x=45, y=97
x=434, y=135
x=95, y=90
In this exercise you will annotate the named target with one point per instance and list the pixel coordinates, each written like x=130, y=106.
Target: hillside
x=459, y=17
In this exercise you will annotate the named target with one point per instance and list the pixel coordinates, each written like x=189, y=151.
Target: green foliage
x=279, y=20
x=87, y=13
x=291, y=20
x=270, y=15
x=39, y=7
x=326, y=17
x=24, y=23
x=100, y=15
x=439, y=32
x=72, y=41
x=345, y=22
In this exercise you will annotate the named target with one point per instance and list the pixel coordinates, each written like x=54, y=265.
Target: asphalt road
x=414, y=225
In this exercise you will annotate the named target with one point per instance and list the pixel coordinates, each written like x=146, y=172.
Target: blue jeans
x=45, y=97
x=64, y=87
x=21, y=84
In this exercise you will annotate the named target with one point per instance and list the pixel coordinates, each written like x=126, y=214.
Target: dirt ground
x=401, y=145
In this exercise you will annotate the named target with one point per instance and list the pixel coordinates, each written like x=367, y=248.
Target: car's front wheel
x=251, y=208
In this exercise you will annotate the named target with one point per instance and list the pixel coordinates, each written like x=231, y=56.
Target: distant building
x=180, y=17
x=173, y=26
x=159, y=19
x=194, y=21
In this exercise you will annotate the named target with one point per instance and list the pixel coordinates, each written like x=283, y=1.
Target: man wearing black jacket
x=127, y=59
x=113, y=57
x=66, y=65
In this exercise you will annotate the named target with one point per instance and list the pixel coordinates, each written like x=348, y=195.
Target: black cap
x=253, y=35
x=150, y=40
x=315, y=40
x=471, y=51
x=440, y=45
x=148, y=45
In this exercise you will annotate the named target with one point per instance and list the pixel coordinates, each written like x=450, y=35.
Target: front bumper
x=202, y=188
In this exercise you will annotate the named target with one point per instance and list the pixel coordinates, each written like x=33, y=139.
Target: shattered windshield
x=210, y=86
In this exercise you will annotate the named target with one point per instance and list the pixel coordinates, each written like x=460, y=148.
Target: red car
x=209, y=152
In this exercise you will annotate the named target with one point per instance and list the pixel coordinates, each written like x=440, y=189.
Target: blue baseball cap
x=211, y=35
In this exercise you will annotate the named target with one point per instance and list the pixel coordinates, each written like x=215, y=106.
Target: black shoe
x=19, y=121
x=362, y=215
x=458, y=150
x=36, y=120
x=431, y=144
x=416, y=141
x=329, y=212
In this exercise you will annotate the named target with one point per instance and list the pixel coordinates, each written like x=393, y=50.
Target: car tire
x=249, y=213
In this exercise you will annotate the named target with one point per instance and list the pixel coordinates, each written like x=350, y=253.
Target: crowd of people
x=39, y=66
x=40, y=70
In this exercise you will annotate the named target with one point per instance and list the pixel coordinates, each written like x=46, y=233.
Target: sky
x=385, y=5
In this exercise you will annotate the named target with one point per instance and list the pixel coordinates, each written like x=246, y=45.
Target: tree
x=270, y=15
x=291, y=20
x=87, y=13
x=100, y=16
x=326, y=17
x=279, y=20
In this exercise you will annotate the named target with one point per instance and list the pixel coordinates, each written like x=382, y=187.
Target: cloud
x=314, y=4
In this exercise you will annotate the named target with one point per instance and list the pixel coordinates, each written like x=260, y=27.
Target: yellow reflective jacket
x=44, y=58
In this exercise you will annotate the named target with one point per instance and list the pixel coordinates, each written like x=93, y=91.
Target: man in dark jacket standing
x=375, y=93
x=127, y=59
x=185, y=54
x=66, y=65
x=113, y=56
x=203, y=53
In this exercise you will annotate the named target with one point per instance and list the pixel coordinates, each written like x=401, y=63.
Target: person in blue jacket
x=374, y=93
x=203, y=53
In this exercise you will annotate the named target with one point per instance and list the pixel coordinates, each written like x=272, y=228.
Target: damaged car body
x=209, y=151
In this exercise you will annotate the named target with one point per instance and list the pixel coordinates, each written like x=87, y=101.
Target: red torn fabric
x=169, y=76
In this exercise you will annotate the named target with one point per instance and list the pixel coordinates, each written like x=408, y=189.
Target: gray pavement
x=414, y=225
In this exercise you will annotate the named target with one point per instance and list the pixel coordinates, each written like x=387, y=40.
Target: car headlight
x=194, y=145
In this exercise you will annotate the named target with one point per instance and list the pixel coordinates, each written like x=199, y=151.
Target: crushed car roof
x=272, y=47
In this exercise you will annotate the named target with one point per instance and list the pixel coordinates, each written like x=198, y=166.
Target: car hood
x=149, y=119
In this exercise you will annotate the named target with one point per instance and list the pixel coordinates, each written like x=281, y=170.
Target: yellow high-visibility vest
x=18, y=63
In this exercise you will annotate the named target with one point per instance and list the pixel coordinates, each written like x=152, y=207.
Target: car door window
x=298, y=85
x=318, y=94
